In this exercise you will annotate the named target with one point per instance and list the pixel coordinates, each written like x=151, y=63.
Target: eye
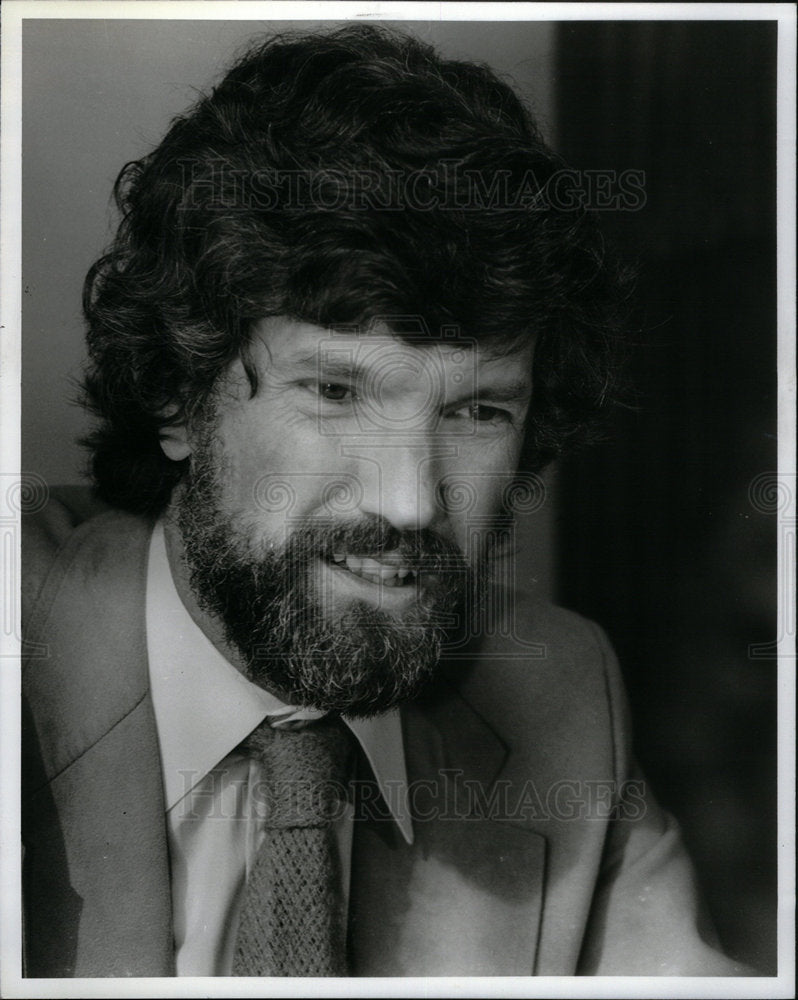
x=335, y=392
x=482, y=414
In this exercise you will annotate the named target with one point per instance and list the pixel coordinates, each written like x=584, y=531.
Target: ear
x=174, y=438
x=174, y=443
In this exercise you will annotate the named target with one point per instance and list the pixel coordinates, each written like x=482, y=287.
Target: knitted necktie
x=292, y=921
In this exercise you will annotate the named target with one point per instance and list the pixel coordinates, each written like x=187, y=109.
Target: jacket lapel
x=93, y=820
x=465, y=898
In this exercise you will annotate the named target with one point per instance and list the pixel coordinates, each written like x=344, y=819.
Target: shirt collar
x=204, y=707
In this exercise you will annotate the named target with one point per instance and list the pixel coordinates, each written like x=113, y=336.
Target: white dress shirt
x=204, y=707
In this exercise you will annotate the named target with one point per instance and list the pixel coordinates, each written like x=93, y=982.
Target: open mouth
x=387, y=571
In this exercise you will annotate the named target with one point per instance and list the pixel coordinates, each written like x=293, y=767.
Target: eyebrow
x=313, y=364
x=517, y=391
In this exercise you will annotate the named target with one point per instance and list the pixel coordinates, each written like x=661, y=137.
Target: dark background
x=664, y=536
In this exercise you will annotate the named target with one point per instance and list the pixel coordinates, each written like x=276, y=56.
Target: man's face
x=334, y=520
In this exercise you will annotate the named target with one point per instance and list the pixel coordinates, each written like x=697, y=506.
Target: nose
x=403, y=483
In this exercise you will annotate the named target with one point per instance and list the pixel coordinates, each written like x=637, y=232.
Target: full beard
x=316, y=648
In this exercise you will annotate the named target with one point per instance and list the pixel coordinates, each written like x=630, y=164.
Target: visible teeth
x=354, y=563
x=390, y=574
x=392, y=558
x=374, y=568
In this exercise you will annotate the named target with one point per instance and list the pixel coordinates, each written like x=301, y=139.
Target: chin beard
x=313, y=648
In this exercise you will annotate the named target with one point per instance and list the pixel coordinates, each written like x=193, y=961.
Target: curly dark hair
x=335, y=178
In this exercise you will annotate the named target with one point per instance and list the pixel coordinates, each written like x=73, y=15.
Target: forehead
x=287, y=347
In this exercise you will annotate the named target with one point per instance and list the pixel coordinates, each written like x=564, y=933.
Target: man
x=348, y=313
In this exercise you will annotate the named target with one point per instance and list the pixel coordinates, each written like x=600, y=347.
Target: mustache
x=423, y=550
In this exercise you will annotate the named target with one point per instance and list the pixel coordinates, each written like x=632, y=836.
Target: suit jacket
x=537, y=850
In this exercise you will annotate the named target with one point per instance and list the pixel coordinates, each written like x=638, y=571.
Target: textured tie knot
x=304, y=773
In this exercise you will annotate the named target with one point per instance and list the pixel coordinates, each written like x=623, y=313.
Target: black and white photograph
x=398, y=499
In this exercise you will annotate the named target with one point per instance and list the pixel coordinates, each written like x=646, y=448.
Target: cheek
x=275, y=470
x=485, y=471
x=249, y=455
x=471, y=516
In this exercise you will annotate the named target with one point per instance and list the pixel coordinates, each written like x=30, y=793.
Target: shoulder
x=552, y=675
x=84, y=645
x=44, y=533
x=537, y=640
x=70, y=521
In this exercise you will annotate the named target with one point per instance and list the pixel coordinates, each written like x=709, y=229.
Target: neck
x=211, y=625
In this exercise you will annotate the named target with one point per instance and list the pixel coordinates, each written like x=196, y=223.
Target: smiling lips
x=388, y=570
